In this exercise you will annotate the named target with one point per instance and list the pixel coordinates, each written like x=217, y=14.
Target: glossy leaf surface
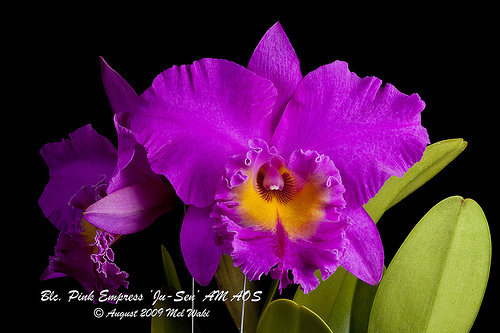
x=283, y=315
x=342, y=301
x=435, y=158
x=169, y=316
x=438, y=277
x=169, y=270
x=230, y=279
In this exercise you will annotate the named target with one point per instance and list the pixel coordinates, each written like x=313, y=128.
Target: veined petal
x=295, y=228
x=132, y=208
x=364, y=255
x=275, y=59
x=371, y=132
x=194, y=117
x=86, y=159
x=199, y=248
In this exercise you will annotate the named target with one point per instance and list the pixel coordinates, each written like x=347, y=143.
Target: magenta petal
x=275, y=59
x=252, y=250
x=72, y=257
x=86, y=159
x=123, y=175
x=272, y=234
x=88, y=195
x=364, y=256
x=121, y=97
x=198, y=244
x=131, y=209
x=132, y=165
x=303, y=258
x=194, y=117
x=370, y=132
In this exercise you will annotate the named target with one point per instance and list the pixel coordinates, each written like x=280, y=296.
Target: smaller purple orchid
x=276, y=167
x=91, y=182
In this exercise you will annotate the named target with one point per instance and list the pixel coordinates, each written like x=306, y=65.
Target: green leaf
x=435, y=158
x=271, y=292
x=169, y=270
x=164, y=323
x=283, y=315
x=342, y=301
x=437, y=279
x=348, y=302
x=361, y=306
x=330, y=298
x=230, y=279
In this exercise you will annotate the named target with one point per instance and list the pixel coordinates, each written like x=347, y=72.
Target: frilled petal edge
x=296, y=229
x=194, y=117
x=370, y=132
x=86, y=160
x=91, y=264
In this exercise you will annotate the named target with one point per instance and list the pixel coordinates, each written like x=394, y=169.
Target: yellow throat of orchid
x=275, y=195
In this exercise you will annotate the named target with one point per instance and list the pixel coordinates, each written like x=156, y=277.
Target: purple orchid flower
x=275, y=166
x=91, y=181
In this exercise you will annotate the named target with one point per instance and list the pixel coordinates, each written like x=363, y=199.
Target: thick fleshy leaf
x=332, y=299
x=271, y=292
x=230, y=278
x=370, y=132
x=437, y=279
x=198, y=244
x=361, y=306
x=86, y=160
x=195, y=117
x=132, y=208
x=364, y=255
x=166, y=322
x=275, y=59
x=165, y=319
x=287, y=316
x=169, y=270
x=342, y=301
x=435, y=158
x=121, y=96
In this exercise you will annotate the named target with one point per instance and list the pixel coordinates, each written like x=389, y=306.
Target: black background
x=446, y=59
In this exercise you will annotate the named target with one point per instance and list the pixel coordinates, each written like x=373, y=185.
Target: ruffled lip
x=91, y=264
x=301, y=234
